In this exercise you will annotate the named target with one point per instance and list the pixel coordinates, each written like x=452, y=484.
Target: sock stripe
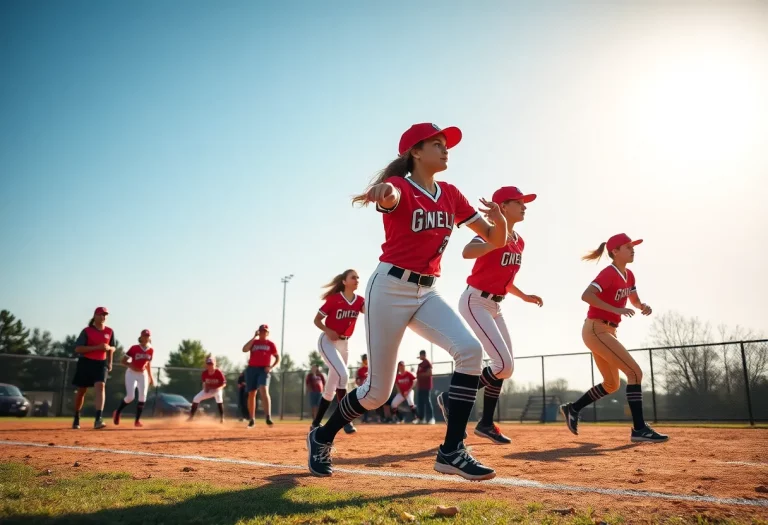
x=457, y=387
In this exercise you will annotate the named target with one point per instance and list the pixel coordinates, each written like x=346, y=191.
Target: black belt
x=615, y=325
x=343, y=337
x=416, y=278
x=494, y=298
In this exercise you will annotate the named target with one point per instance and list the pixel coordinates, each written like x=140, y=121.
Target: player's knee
x=129, y=398
x=469, y=356
x=328, y=396
x=506, y=370
x=610, y=386
x=638, y=376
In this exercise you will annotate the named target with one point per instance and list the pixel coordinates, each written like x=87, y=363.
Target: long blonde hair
x=596, y=254
x=336, y=285
x=400, y=167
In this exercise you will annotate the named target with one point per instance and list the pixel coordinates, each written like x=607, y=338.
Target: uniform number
x=443, y=245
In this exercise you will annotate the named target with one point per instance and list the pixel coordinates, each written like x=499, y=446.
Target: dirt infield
x=715, y=472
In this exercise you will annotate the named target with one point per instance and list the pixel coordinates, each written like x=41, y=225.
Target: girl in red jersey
x=607, y=298
x=419, y=214
x=214, y=382
x=138, y=374
x=404, y=381
x=493, y=275
x=259, y=371
x=340, y=311
x=95, y=347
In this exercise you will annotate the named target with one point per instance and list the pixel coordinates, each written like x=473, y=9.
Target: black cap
x=423, y=352
x=364, y=357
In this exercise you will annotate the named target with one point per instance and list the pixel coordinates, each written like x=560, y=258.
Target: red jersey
x=614, y=289
x=213, y=379
x=418, y=227
x=91, y=336
x=362, y=373
x=496, y=270
x=315, y=382
x=140, y=357
x=405, y=381
x=424, y=375
x=340, y=314
x=262, y=352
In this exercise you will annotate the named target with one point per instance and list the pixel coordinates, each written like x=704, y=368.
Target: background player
x=138, y=375
x=315, y=383
x=492, y=276
x=257, y=374
x=607, y=298
x=424, y=386
x=95, y=347
x=213, y=387
x=242, y=397
x=404, y=381
x=340, y=312
x=419, y=214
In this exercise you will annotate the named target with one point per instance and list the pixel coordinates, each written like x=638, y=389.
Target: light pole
x=431, y=353
x=285, y=280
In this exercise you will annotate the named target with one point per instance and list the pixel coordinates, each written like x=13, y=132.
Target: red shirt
x=614, y=289
x=418, y=228
x=262, y=352
x=496, y=270
x=340, y=314
x=140, y=357
x=213, y=379
x=315, y=382
x=362, y=373
x=91, y=336
x=424, y=375
x=405, y=381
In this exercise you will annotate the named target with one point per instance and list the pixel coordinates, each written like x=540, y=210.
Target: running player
x=492, y=277
x=257, y=374
x=214, y=382
x=95, y=347
x=419, y=214
x=404, y=381
x=340, y=311
x=607, y=298
x=138, y=375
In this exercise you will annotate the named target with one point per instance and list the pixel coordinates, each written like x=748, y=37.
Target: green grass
x=29, y=496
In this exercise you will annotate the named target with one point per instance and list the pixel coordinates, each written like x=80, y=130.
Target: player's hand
x=151, y=382
x=383, y=194
x=267, y=369
x=492, y=211
x=106, y=347
x=109, y=367
x=628, y=312
x=535, y=299
x=332, y=334
x=646, y=310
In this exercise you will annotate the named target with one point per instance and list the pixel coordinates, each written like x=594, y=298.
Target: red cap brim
x=452, y=136
x=635, y=243
x=529, y=198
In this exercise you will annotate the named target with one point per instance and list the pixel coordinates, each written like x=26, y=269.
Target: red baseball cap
x=619, y=240
x=427, y=130
x=511, y=193
x=264, y=328
x=146, y=332
x=209, y=361
x=101, y=310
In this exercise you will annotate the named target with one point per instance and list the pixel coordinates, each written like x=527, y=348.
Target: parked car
x=168, y=405
x=13, y=402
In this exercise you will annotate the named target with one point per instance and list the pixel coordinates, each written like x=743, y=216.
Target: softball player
x=419, y=214
x=138, y=374
x=95, y=347
x=340, y=311
x=607, y=298
x=404, y=381
x=257, y=374
x=492, y=277
x=213, y=387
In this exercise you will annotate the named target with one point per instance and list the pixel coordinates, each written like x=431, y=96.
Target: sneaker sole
x=567, y=421
x=640, y=439
x=309, y=459
x=491, y=439
x=350, y=431
x=451, y=470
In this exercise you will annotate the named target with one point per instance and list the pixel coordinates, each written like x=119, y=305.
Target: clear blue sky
x=172, y=163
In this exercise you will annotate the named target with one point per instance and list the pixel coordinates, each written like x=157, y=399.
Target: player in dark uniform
x=95, y=348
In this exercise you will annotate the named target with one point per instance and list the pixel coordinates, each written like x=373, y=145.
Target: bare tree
x=756, y=356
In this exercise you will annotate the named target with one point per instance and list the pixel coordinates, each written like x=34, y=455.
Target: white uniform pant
x=336, y=355
x=134, y=379
x=391, y=306
x=217, y=394
x=484, y=318
x=399, y=398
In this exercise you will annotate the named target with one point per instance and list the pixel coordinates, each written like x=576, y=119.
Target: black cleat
x=461, y=463
x=571, y=418
x=269, y=422
x=647, y=435
x=76, y=424
x=319, y=460
x=349, y=428
x=99, y=424
x=251, y=424
x=492, y=432
x=442, y=402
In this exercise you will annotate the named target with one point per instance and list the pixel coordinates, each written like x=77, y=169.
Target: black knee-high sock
x=98, y=415
x=221, y=409
x=194, y=409
x=139, y=409
x=324, y=404
x=461, y=398
x=349, y=408
x=491, y=395
x=590, y=396
x=123, y=404
x=635, y=400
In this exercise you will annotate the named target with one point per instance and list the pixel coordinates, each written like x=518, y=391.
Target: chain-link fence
x=707, y=382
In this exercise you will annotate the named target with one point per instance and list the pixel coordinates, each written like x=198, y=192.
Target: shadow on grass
x=565, y=453
x=226, y=507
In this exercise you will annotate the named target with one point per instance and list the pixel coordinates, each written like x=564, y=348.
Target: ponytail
x=336, y=285
x=596, y=254
x=400, y=167
x=91, y=323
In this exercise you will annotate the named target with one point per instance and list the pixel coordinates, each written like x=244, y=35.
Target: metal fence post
x=157, y=387
x=746, y=384
x=303, y=394
x=282, y=393
x=592, y=370
x=653, y=387
x=63, y=389
x=543, y=392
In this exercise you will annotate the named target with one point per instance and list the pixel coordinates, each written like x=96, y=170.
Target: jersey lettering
x=622, y=293
x=511, y=258
x=346, y=314
x=430, y=220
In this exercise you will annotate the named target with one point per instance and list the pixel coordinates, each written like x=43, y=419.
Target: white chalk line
x=745, y=463
x=506, y=482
